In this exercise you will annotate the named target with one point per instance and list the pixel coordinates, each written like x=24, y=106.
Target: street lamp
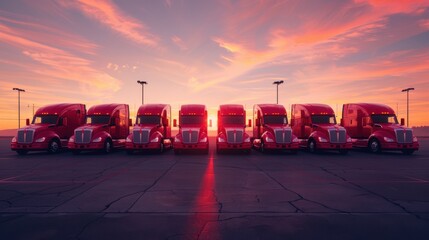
x=142, y=83
x=278, y=83
x=407, y=90
x=19, y=105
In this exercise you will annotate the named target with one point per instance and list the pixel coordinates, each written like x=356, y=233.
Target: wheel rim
x=374, y=146
x=312, y=146
x=108, y=146
x=54, y=147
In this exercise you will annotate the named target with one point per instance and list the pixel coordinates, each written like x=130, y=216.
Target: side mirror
x=258, y=122
x=27, y=121
x=130, y=122
x=65, y=122
x=402, y=121
x=210, y=123
x=249, y=123
x=165, y=122
x=112, y=122
x=292, y=122
x=174, y=122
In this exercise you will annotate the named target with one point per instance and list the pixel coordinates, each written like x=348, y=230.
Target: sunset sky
x=214, y=52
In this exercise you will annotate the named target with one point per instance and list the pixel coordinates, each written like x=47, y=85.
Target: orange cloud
x=109, y=14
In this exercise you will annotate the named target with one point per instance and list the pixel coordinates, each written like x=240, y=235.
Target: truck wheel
x=161, y=148
x=312, y=146
x=408, y=151
x=344, y=151
x=54, y=146
x=107, y=146
x=374, y=146
x=22, y=152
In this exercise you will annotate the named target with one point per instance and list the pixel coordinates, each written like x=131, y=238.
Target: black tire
x=108, y=147
x=262, y=148
x=76, y=152
x=22, y=152
x=312, y=148
x=54, y=146
x=408, y=151
x=161, y=147
x=374, y=146
x=344, y=151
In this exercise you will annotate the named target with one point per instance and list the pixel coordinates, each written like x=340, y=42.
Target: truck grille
x=25, y=136
x=234, y=136
x=283, y=135
x=82, y=136
x=404, y=135
x=141, y=136
x=190, y=136
x=337, y=136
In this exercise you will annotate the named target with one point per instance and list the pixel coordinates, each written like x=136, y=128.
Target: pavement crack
x=78, y=236
x=220, y=204
x=152, y=185
x=373, y=193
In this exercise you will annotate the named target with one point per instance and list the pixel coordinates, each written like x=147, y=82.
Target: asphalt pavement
x=215, y=196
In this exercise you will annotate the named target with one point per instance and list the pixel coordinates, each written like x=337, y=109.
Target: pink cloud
x=109, y=14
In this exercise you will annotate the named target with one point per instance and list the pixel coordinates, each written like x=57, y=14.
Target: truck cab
x=106, y=128
x=376, y=127
x=193, y=134
x=317, y=128
x=231, y=129
x=50, y=129
x=152, y=129
x=271, y=130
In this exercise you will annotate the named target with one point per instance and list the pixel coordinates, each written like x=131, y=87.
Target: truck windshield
x=276, y=119
x=45, y=119
x=148, y=119
x=320, y=119
x=233, y=120
x=97, y=119
x=192, y=120
x=391, y=118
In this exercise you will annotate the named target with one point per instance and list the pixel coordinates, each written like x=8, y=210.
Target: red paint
x=232, y=118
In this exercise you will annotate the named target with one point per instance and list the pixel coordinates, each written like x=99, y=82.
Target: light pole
x=19, y=105
x=408, y=91
x=142, y=83
x=278, y=83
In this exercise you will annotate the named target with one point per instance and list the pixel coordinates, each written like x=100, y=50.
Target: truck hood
x=277, y=127
x=94, y=128
x=37, y=128
x=392, y=127
x=150, y=128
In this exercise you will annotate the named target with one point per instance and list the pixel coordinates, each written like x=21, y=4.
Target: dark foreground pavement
x=228, y=196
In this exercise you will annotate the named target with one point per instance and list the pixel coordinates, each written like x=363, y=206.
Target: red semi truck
x=152, y=130
x=317, y=128
x=231, y=129
x=375, y=126
x=50, y=129
x=107, y=127
x=271, y=130
x=193, y=134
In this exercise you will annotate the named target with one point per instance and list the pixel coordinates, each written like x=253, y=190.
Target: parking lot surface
x=215, y=196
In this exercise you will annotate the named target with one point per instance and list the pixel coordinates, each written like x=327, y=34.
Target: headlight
x=14, y=139
x=39, y=140
x=128, y=139
x=349, y=139
x=268, y=139
x=97, y=140
x=387, y=139
x=204, y=139
x=247, y=140
x=221, y=140
x=415, y=139
x=322, y=139
x=295, y=139
x=176, y=139
x=71, y=139
x=155, y=140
